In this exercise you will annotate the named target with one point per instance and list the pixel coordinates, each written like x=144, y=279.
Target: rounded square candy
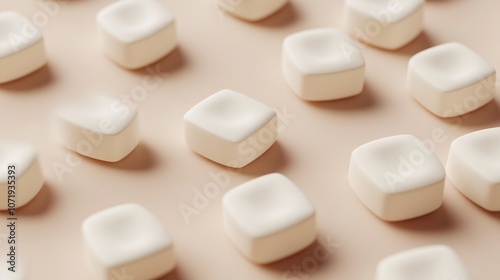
x=269, y=218
x=127, y=240
x=19, y=167
x=252, y=10
x=21, y=47
x=397, y=177
x=387, y=24
x=230, y=128
x=98, y=127
x=450, y=80
x=135, y=33
x=429, y=262
x=323, y=64
x=474, y=167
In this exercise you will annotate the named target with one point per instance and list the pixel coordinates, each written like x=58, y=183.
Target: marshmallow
x=450, y=80
x=269, y=218
x=135, y=33
x=251, y=10
x=230, y=128
x=397, y=177
x=429, y=262
x=21, y=47
x=386, y=24
x=99, y=127
x=323, y=64
x=26, y=174
x=129, y=241
x=474, y=167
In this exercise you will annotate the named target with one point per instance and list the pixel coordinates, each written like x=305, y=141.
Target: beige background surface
x=218, y=51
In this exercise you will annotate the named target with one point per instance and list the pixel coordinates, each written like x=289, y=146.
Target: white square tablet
x=99, y=127
x=323, y=64
x=26, y=175
x=269, y=218
x=438, y=262
x=230, y=128
x=474, y=167
x=252, y=10
x=387, y=24
x=135, y=33
x=450, y=79
x=397, y=177
x=21, y=47
x=127, y=238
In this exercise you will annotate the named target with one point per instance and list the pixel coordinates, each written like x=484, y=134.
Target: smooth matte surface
x=127, y=237
x=450, y=79
x=14, y=33
x=269, y=218
x=251, y=10
x=230, y=128
x=230, y=115
x=451, y=66
x=473, y=167
x=427, y=262
x=387, y=24
x=397, y=177
x=22, y=179
x=267, y=205
x=21, y=47
x=313, y=150
x=323, y=64
x=323, y=51
x=130, y=21
x=136, y=33
x=97, y=126
x=403, y=8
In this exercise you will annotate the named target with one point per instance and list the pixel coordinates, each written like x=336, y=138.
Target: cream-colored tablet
x=19, y=172
x=252, y=10
x=21, y=47
x=99, y=127
x=397, y=177
x=474, y=167
x=429, y=263
x=386, y=24
x=127, y=240
x=135, y=33
x=450, y=80
x=323, y=64
x=230, y=128
x=269, y=218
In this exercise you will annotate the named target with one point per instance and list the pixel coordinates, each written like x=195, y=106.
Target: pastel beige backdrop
x=218, y=51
